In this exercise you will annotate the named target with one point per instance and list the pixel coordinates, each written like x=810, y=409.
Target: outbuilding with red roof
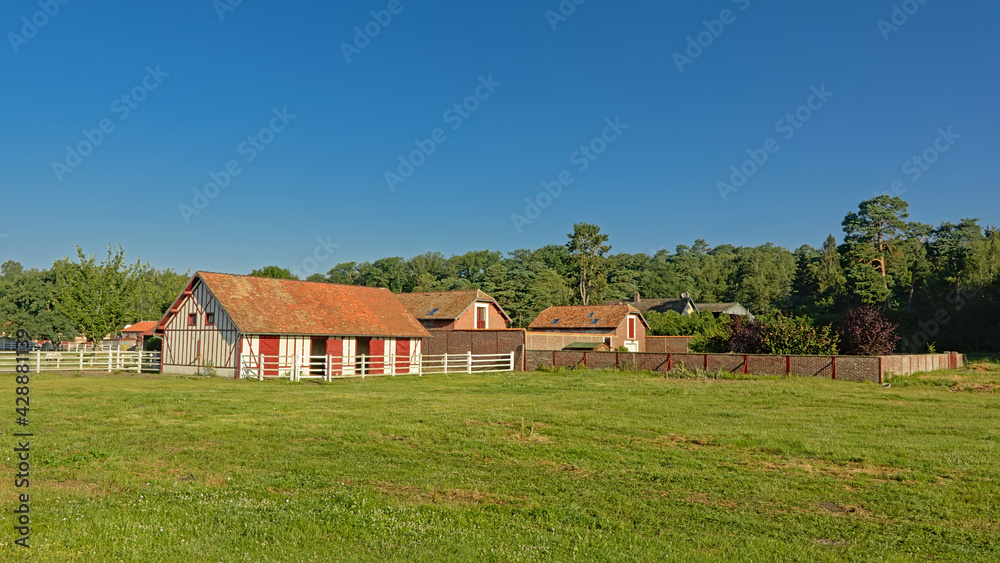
x=139, y=333
x=621, y=325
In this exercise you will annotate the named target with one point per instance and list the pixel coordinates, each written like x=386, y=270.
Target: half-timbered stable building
x=225, y=323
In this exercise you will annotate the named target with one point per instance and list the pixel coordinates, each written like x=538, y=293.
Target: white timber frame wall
x=187, y=348
x=290, y=346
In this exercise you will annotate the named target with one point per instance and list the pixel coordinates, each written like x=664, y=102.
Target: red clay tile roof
x=583, y=316
x=447, y=305
x=141, y=327
x=273, y=306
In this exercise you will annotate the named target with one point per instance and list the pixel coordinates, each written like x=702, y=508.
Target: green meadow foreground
x=508, y=467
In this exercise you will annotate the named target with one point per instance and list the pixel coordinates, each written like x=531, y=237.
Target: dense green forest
x=941, y=284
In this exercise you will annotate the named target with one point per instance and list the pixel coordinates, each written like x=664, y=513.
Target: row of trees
x=85, y=296
x=941, y=284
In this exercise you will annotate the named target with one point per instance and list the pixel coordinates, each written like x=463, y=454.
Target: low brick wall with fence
x=875, y=369
x=500, y=341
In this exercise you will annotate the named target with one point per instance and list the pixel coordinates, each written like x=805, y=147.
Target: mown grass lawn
x=580, y=465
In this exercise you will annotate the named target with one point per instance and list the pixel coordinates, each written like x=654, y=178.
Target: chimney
x=635, y=298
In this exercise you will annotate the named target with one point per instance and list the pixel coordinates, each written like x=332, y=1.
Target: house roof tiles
x=444, y=305
x=141, y=327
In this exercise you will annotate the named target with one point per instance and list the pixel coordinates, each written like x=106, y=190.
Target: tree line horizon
x=940, y=284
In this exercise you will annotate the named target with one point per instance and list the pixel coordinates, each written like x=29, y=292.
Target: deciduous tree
x=97, y=298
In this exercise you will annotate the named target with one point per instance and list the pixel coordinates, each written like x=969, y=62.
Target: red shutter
x=377, y=350
x=402, y=355
x=631, y=328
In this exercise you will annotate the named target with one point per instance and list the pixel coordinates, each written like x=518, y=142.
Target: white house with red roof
x=245, y=325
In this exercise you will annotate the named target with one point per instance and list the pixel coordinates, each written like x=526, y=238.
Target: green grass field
x=573, y=465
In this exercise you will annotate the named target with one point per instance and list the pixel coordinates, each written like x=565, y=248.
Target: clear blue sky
x=323, y=174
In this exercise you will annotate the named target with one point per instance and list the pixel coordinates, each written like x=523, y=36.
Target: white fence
x=82, y=360
x=327, y=368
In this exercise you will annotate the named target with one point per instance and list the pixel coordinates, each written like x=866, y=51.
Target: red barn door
x=402, y=355
x=270, y=346
x=377, y=350
x=335, y=349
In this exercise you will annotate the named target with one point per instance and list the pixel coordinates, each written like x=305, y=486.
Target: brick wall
x=848, y=368
x=468, y=319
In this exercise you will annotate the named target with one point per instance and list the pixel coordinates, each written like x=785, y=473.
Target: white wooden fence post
x=362, y=366
x=260, y=367
x=81, y=359
x=328, y=371
x=138, y=363
x=295, y=367
x=446, y=362
x=110, y=356
x=512, y=360
x=469, y=362
x=420, y=364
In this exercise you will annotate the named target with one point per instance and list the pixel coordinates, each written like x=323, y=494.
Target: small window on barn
x=595, y=321
x=210, y=319
x=433, y=311
x=193, y=319
x=555, y=321
x=590, y=316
